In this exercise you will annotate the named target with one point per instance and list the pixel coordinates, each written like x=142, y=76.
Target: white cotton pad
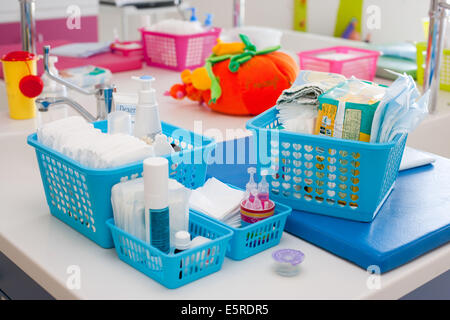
x=216, y=199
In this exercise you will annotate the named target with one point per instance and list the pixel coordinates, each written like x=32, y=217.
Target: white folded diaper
x=80, y=141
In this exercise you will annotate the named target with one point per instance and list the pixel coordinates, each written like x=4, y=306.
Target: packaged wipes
x=347, y=110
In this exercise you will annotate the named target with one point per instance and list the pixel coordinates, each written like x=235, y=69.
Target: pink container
x=348, y=61
x=178, y=52
x=126, y=52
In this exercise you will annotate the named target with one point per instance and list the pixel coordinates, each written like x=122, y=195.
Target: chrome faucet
x=436, y=35
x=28, y=25
x=103, y=94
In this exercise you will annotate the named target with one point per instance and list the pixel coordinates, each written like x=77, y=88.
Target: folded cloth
x=81, y=49
x=216, y=199
x=297, y=107
x=301, y=94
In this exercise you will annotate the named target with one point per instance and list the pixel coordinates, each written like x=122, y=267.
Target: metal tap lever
x=102, y=92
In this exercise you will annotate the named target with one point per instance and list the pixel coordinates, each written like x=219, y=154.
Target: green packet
x=346, y=111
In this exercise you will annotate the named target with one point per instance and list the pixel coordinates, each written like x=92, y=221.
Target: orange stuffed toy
x=239, y=80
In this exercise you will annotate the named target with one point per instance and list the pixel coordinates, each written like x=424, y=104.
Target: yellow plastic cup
x=16, y=65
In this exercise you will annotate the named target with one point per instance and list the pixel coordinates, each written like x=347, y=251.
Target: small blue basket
x=253, y=238
x=175, y=270
x=330, y=176
x=81, y=196
x=259, y=236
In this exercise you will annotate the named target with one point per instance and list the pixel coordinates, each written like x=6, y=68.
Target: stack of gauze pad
x=128, y=205
x=80, y=141
x=219, y=201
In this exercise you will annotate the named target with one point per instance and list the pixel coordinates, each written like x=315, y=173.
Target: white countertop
x=45, y=247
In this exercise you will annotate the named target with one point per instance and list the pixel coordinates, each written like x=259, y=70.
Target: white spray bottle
x=147, y=123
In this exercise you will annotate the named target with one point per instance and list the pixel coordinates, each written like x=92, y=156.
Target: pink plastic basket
x=361, y=63
x=178, y=52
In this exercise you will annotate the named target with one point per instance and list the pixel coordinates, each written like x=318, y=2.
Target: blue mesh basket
x=256, y=237
x=81, y=196
x=330, y=176
x=175, y=270
x=253, y=238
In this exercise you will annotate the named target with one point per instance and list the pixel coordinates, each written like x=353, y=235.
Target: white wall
x=46, y=9
x=400, y=19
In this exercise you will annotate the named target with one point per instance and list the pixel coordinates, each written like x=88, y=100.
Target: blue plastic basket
x=256, y=237
x=330, y=176
x=175, y=270
x=81, y=196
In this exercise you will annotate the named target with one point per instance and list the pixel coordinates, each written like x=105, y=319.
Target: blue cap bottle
x=208, y=20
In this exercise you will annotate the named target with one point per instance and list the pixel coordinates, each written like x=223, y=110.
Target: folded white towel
x=216, y=199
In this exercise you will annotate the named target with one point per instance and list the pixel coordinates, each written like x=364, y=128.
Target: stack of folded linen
x=219, y=201
x=297, y=106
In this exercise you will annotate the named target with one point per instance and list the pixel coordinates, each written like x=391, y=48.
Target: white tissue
x=173, y=26
x=80, y=141
x=217, y=200
x=298, y=118
x=128, y=203
x=127, y=200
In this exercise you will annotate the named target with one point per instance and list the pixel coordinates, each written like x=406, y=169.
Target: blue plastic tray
x=175, y=270
x=256, y=237
x=414, y=219
x=81, y=196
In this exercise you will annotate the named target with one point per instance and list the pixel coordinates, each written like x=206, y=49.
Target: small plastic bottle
x=52, y=89
x=147, y=122
x=251, y=185
x=208, y=21
x=257, y=203
x=194, y=21
x=182, y=241
x=156, y=194
x=263, y=188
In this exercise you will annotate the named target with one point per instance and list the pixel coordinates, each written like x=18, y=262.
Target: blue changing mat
x=414, y=220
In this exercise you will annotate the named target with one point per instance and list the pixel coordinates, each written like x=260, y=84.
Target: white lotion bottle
x=156, y=195
x=147, y=122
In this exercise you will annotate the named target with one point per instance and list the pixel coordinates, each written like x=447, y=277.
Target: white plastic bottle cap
x=156, y=183
x=119, y=122
x=182, y=240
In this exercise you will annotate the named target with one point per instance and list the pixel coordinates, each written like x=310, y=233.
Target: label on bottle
x=159, y=229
